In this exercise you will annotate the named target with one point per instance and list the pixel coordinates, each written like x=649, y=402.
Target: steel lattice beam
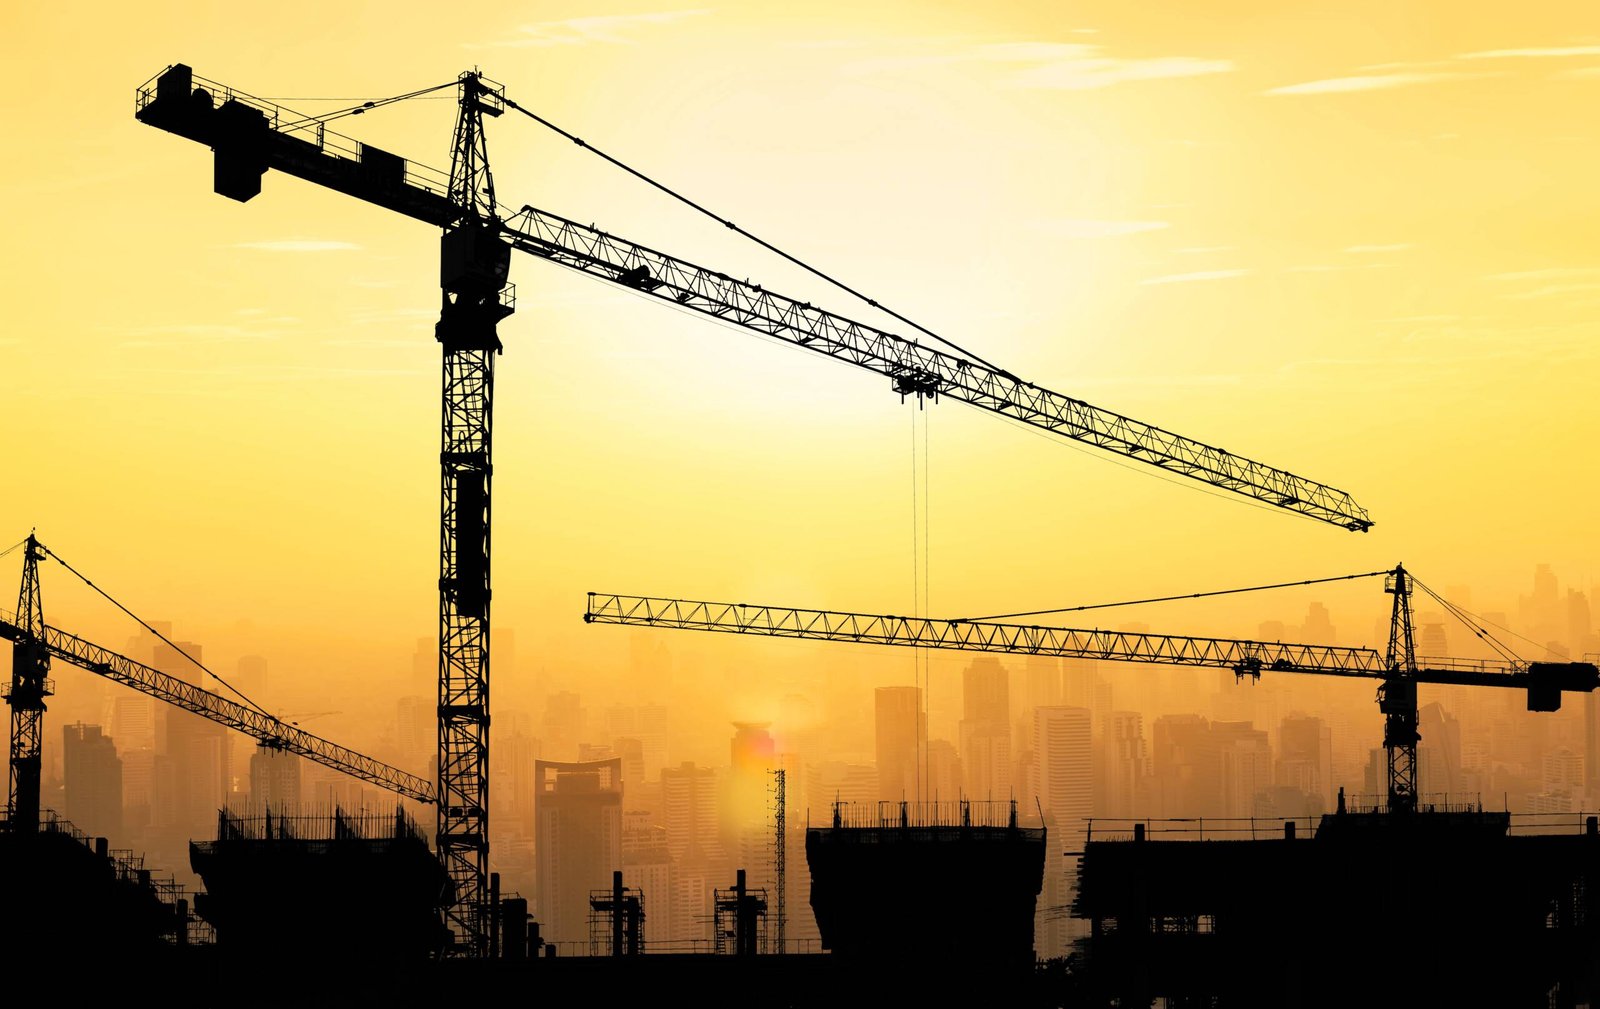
x=914, y=368
x=29, y=686
x=277, y=138
x=263, y=728
x=1242, y=656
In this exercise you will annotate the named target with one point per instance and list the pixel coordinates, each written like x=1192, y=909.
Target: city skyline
x=1345, y=240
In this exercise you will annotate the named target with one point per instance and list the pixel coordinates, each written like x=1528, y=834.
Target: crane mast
x=1397, y=697
x=30, y=685
x=474, y=298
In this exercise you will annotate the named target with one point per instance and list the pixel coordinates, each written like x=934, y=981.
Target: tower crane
x=249, y=136
x=35, y=644
x=1397, y=667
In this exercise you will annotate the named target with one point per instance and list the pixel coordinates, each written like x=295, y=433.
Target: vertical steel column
x=780, y=851
x=26, y=693
x=1397, y=697
x=473, y=268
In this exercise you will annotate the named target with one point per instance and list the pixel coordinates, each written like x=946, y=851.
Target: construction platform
x=64, y=891
x=951, y=884
x=355, y=887
x=1440, y=907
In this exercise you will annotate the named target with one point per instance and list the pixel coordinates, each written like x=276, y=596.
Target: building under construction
x=66, y=890
x=1443, y=906
x=360, y=887
x=952, y=883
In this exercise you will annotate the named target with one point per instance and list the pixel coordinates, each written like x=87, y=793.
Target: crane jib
x=269, y=731
x=250, y=136
x=1543, y=681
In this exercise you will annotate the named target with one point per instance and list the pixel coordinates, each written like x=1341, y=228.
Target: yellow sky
x=1354, y=240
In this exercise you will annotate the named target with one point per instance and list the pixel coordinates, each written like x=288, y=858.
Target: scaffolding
x=780, y=851
x=739, y=919
x=616, y=919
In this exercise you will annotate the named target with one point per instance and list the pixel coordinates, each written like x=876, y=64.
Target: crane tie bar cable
x=1168, y=599
x=1469, y=620
x=356, y=110
x=170, y=643
x=759, y=241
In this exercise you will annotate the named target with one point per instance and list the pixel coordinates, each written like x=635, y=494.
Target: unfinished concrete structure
x=927, y=882
x=1442, y=906
x=362, y=887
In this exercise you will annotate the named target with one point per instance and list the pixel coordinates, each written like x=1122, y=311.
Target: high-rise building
x=986, y=730
x=198, y=749
x=1439, y=754
x=565, y=721
x=1064, y=755
x=689, y=797
x=578, y=809
x=1243, y=765
x=1128, y=767
x=831, y=781
x=92, y=778
x=647, y=867
x=751, y=749
x=133, y=721
x=275, y=779
x=1043, y=675
x=1318, y=628
x=1305, y=757
x=631, y=750
x=944, y=771
x=1064, y=772
x=902, y=728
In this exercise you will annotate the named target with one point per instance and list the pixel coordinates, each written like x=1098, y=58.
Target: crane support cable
x=836, y=282
x=1469, y=620
x=169, y=642
x=265, y=729
x=1168, y=599
x=356, y=110
x=917, y=368
x=1242, y=656
x=914, y=368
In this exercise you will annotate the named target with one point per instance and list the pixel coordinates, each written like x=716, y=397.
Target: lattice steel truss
x=1399, y=668
x=30, y=685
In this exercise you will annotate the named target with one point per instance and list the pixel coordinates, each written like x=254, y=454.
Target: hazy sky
x=1355, y=240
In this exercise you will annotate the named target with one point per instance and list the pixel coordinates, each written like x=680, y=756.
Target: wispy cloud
x=1365, y=82
x=1198, y=275
x=1538, y=52
x=1071, y=66
x=1159, y=381
x=1333, y=267
x=296, y=245
x=1549, y=273
x=1364, y=249
x=607, y=29
x=177, y=334
x=1056, y=66
x=1554, y=291
x=1082, y=228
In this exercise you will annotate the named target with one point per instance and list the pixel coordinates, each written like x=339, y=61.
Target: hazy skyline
x=1347, y=240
